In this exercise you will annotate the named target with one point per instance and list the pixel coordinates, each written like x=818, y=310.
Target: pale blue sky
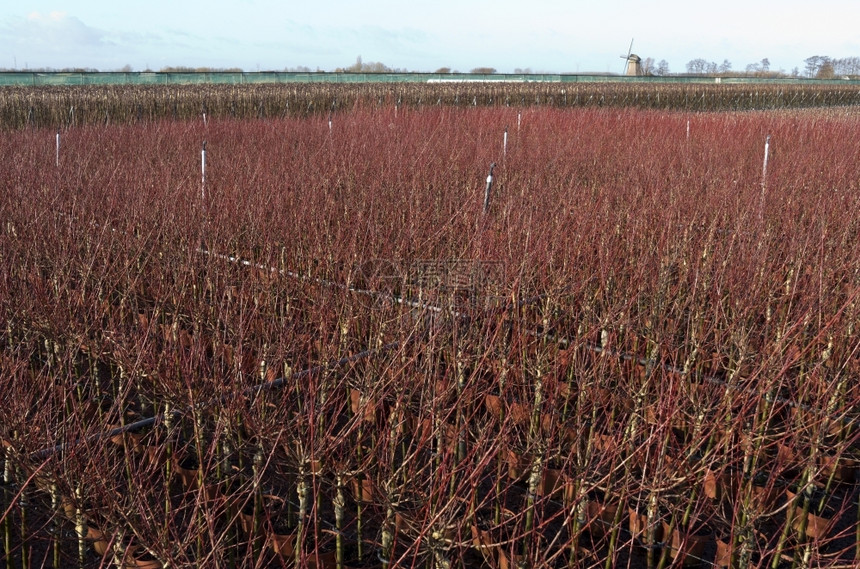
x=418, y=35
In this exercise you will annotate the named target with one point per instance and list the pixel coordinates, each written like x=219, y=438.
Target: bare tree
x=815, y=63
x=697, y=66
x=760, y=68
x=357, y=66
x=370, y=67
x=701, y=66
x=826, y=71
x=846, y=66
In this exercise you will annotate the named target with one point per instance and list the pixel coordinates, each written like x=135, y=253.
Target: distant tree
x=753, y=69
x=371, y=67
x=814, y=64
x=523, y=71
x=443, y=70
x=186, y=69
x=846, y=66
x=126, y=68
x=483, y=70
x=662, y=68
x=376, y=67
x=647, y=66
x=760, y=68
x=725, y=66
x=697, y=66
x=356, y=67
x=826, y=71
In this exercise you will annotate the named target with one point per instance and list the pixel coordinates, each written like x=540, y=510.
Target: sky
x=552, y=36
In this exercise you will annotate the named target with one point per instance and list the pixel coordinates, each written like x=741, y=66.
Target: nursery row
x=309, y=342
x=462, y=464
x=53, y=107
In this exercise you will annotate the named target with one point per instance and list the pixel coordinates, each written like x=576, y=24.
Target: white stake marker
x=763, y=178
x=488, y=188
x=505, y=143
x=58, y=147
x=203, y=171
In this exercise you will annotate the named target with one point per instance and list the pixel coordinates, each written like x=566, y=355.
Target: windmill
x=633, y=63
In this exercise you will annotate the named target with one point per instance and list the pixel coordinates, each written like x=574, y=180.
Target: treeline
x=824, y=67
x=815, y=67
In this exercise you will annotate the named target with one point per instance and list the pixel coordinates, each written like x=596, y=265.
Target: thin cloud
x=54, y=39
x=59, y=40
x=59, y=31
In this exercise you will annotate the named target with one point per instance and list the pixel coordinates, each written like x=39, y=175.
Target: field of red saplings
x=321, y=342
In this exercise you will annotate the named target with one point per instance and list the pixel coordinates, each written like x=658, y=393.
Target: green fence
x=21, y=78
